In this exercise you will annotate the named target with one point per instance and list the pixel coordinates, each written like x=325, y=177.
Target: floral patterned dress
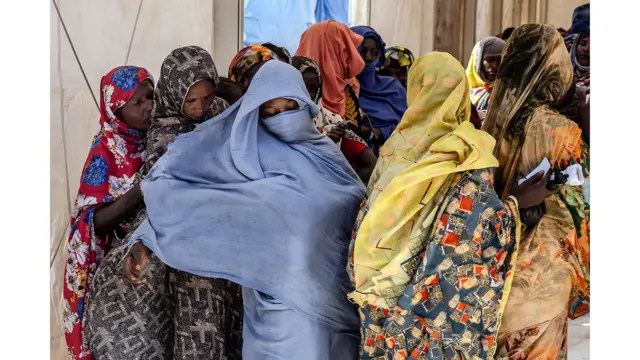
x=174, y=314
x=111, y=169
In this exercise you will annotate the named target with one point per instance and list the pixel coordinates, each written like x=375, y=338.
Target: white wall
x=101, y=32
x=559, y=12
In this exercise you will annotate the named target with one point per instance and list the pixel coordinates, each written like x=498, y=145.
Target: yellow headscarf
x=433, y=141
x=492, y=46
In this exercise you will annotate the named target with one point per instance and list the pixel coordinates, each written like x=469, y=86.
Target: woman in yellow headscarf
x=433, y=245
x=483, y=69
x=551, y=280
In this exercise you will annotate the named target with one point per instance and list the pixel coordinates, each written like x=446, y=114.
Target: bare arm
x=108, y=217
x=365, y=163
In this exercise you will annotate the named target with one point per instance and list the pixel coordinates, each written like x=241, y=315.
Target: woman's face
x=199, y=99
x=137, y=111
x=275, y=106
x=490, y=66
x=311, y=81
x=369, y=50
x=583, y=51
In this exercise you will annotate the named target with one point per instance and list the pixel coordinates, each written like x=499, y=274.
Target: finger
x=127, y=273
x=534, y=179
x=545, y=179
x=139, y=256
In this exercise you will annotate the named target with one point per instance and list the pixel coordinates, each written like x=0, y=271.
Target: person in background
x=166, y=302
x=482, y=70
x=236, y=208
x=331, y=126
x=551, y=280
x=580, y=58
x=334, y=48
x=575, y=105
x=433, y=248
x=580, y=20
x=248, y=61
x=397, y=62
x=382, y=98
x=506, y=34
x=563, y=32
x=230, y=91
x=109, y=193
x=281, y=52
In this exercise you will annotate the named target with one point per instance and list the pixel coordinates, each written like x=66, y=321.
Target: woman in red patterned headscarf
x=109, y=193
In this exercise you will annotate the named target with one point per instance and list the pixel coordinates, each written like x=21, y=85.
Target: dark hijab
x=303, y=63
x=184, y=67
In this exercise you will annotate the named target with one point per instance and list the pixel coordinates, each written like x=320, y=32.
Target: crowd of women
x=346, y=202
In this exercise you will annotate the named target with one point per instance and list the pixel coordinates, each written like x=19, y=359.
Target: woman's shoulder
x=551, y=118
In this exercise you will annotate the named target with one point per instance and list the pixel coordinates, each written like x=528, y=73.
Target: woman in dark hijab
x=382, y=98
x=147, y=319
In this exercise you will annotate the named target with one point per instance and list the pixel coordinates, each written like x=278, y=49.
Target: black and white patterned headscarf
x=184, y=67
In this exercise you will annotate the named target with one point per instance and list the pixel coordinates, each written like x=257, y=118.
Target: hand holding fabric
x=533, y=191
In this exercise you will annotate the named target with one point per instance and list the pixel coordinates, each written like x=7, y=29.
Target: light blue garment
x=587, y=190
x=268, y=204
x=282, y=22
x=337, y=10
x=264, y=338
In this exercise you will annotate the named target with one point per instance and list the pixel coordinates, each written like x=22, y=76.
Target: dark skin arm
x=108, y=217
x=377, y=134
x=585, y=116
x=533, y=191
x=365, y=163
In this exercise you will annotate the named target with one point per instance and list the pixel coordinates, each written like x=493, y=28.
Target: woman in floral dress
x=109, y=193
x=152, y=316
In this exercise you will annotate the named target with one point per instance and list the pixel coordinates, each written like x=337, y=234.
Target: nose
x=369, y=57
x=149, y=106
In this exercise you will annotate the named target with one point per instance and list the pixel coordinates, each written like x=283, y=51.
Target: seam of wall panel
x=133, y=33
x=66, y=32
x=64, y=148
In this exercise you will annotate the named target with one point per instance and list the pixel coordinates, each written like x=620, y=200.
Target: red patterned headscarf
x=111, y=169
x=246, y=58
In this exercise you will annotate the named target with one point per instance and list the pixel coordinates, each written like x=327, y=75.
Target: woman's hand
x=107, y=218
x=336, y=133
x=134, y=263
x=533, y=191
